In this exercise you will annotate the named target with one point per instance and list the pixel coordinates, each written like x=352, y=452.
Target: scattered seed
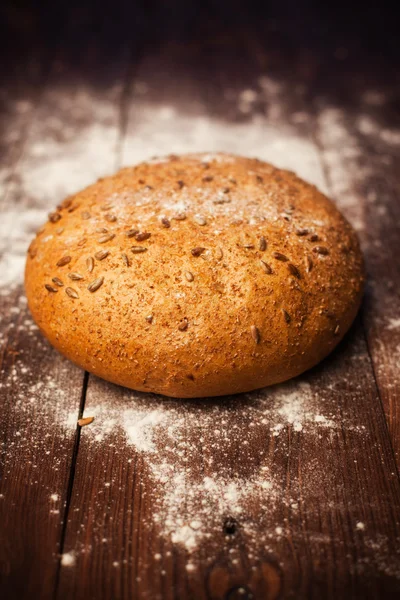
x=101, y=254
x=262, y=244
x=141, y=237
x=219, y=253
x=110, y=218
x=57, y=281
x=266, y=268
x=165, y=222
x=189, y=276
x=255, y=334
x=50, y=288
x=314, y=238
x=75, y=276
x=63, y=261
x=125, y=260
x=66, y=203
x=248, y=246
x=259, y=179
x=205, y=165
x=280, y=256
x=82, y=242
x=233, y=180
x=301, y=232
x=94, y=286
x=286, y=316
x=149, y=318
x=336, y=330
x=71, y=292
x=309, y=264
x=32, y=252
x=106, y=238
x=85, y=215
x=131, y=233
x=138, y=249
x=208, y=178
x=321, y=250
x=60, y=230
x=101, y=230
x=200, y=220
x=294, y=270
x=197, y=251
x=54, y=217
x=226, y=190
x=179, y=216
x=72, y=208
x=90, y=264
x=105, y=207
x=180, y=183
x=85, y=421
x=183, y=325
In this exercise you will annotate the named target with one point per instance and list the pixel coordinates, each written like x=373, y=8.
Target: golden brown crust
x=199, y=275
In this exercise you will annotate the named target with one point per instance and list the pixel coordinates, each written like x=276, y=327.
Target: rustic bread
x=198, y=275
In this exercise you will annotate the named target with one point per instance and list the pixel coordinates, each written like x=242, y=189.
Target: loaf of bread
x=195, y=275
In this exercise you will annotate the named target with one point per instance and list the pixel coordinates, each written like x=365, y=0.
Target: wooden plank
x=40, y=396
x=18, y=99
x=65, y=149
x=359, y=135
x=288, y=492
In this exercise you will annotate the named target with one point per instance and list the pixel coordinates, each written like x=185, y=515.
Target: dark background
x=372, y=26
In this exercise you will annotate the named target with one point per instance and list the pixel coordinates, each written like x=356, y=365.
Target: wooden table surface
x=290, y=492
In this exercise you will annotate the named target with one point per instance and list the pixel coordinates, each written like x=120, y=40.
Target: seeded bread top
x=196, y=275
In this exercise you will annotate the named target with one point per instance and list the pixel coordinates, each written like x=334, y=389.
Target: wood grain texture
x=35, y=449
x=358, y=132
x=246, y=497
x=17, y=104
x=41, y=391
x=32, y=493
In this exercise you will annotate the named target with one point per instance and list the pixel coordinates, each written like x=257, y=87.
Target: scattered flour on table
x=393, y=324
x=68, y=559
x=192, y=498
x=17, y=228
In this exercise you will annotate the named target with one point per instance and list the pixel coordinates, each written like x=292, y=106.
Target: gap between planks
x=132, y=53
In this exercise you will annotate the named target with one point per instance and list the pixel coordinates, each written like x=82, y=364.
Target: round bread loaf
x=196, y=275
